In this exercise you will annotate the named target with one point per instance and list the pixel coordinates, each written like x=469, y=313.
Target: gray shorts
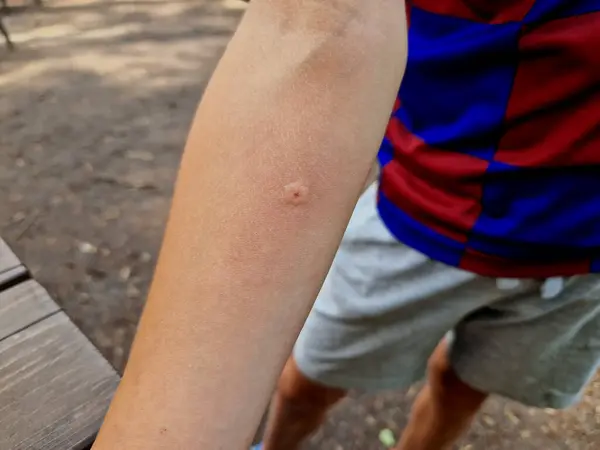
x=384, y=307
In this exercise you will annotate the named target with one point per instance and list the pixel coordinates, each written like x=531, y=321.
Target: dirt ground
x=94, y=109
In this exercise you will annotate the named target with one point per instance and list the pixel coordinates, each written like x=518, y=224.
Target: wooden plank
x=12, y=277
x=8, y=259
x=11, y=269
x=22, y=305
x=54, y=387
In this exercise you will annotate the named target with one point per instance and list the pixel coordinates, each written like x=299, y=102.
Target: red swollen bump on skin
x=295, y=193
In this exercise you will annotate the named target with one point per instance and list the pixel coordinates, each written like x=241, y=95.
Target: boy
x=484, y=222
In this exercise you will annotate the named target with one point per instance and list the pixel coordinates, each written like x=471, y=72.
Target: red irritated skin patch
x=295, y=193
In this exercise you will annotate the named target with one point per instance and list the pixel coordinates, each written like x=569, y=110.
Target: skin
x=279, y=150
x=442, y=411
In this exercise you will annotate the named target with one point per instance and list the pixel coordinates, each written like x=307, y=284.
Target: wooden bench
x=55, y=387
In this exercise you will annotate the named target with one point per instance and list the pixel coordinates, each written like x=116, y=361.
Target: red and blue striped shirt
x=491, y=160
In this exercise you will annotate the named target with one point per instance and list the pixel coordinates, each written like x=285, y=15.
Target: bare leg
x=298, y=409
x=443, y=409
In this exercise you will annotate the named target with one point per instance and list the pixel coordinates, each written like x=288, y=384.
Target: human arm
x=297, y=105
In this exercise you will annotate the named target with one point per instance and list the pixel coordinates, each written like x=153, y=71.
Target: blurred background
x=95, y=104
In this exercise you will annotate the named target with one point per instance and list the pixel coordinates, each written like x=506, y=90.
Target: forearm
x=298, y=105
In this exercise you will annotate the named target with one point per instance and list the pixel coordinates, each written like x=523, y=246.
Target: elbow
x=371, y=20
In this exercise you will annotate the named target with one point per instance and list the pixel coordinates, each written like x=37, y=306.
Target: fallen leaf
x=125, y=273
x=488, y=420
x=511, y=416
x=87, y=248
x=387, y=438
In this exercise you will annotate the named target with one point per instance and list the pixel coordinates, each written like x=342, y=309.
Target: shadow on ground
x=94, y=111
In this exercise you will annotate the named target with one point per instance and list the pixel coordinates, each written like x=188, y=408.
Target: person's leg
x=443, y=409
x=535, y=345
x=298, y=408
